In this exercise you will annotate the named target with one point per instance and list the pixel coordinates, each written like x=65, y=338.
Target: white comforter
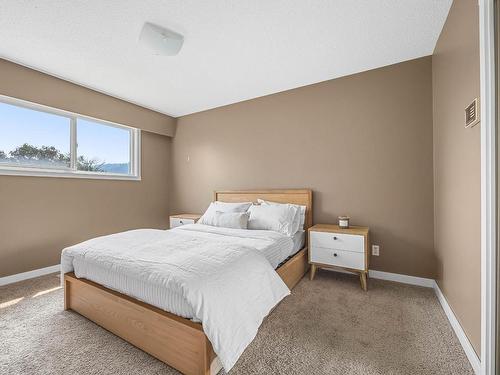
x=229, y=285
x=276, y=247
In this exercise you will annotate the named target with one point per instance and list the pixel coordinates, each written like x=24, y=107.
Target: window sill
x=35, y=172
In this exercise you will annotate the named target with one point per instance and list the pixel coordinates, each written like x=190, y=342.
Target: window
x=40, y=141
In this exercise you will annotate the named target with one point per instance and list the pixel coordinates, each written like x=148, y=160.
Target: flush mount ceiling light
x=160, y=40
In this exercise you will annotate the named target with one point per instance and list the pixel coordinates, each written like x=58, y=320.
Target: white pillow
x=278, y=218
x=235, y=220
x=209, y=215
x=301, y=212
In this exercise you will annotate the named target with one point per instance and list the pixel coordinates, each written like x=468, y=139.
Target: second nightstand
x=183, y=219
x=333, y=247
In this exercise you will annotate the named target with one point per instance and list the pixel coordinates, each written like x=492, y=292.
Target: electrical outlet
x=376, y=250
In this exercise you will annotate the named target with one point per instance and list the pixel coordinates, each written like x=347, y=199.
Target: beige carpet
x=328, y=326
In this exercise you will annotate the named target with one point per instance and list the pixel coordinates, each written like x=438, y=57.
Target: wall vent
x=471, y=114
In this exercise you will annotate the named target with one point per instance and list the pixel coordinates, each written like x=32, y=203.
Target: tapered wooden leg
x=313, y=272
x=362, y=279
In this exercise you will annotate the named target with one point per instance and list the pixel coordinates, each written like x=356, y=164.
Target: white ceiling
x=234, y=49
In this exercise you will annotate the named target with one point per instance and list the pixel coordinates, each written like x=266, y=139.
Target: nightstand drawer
x=339, y=258
x=338, y=241
x=177, y=222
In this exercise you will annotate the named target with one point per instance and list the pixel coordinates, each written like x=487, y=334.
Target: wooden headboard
x=294, y=196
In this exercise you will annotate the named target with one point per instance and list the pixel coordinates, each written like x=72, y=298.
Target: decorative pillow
x=209, y=215
x=278, y=218
x=302, y=211
x=235, y=220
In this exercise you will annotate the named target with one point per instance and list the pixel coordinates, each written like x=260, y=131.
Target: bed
x=175, y=337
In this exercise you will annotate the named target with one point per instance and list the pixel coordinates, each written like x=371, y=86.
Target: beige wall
x=363, y=143
x=457, y=195
x=28, y=84
x=39, y=216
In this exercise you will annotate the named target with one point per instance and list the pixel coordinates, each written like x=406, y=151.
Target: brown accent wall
x=363, y=143
x=457, y=167
x=23, y=83
x=39, y=216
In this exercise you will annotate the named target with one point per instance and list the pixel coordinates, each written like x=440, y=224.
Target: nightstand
x=333, y=247
x=183, y=219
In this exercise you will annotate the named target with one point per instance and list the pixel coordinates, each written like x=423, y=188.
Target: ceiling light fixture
x=160, y=40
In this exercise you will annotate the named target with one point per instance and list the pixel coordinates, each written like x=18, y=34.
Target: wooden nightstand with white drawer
x=333, y=247
x=183, y=219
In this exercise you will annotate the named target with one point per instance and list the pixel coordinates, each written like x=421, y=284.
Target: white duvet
x=229, y=285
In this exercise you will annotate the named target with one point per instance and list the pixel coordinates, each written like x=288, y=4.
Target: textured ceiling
x=234, y=50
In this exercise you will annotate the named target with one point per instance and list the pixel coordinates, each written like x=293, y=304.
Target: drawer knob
x=181, y=221
x=334, y=254
x=335, y=238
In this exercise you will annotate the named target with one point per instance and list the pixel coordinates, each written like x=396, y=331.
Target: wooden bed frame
x=177, y=341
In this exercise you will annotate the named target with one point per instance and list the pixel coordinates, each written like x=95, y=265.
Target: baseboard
x=29, y=275
x=405, y=279
x=462, y=337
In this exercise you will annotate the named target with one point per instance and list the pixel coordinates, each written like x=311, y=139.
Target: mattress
x=298, y=242
x=274, y=246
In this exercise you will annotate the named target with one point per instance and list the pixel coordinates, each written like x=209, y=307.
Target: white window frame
x=72, y=172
